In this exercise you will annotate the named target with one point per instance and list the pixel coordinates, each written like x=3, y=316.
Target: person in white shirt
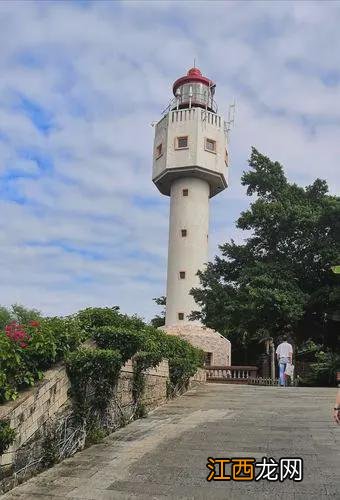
x=284, y=353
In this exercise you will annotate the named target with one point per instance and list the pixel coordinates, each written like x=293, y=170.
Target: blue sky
x=81, y=82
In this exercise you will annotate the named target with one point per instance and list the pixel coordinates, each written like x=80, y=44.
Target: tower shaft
x=188, y=245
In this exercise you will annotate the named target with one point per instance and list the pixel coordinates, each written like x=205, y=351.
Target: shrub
x=5, y=317
x=51, y=339
x=184, y=360
x=7, y=435
x=41, y=350
x=13, y=371
x=147, y=359
x=24, y=315
x=155, y=341
x=18, y=314
x=126, y=342
x=93, y=374
x=27, y=349
x=93, y=318
x=323, y=371
x=66, y=332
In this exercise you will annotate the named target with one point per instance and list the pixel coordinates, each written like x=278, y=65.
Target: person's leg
x=282, y=367
x=285, y=376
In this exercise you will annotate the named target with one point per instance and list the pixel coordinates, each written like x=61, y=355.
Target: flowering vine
x=18, y=334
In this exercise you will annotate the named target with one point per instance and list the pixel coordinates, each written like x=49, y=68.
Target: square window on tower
x=180, y=316
x=207, y=358
x=184, y=233
x=181, y=142
x=159, y=150
x=210, y=145
x=185, y=192
x=182, y=275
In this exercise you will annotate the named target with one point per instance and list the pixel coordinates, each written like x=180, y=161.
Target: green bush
x=93, y=374
x=39, y=345
x=93, y=318
x=7, y=435
x=323, y=371
x=19, y=314
x=14, y=373
x=126, y=342
x=148, y=359
x=67, y=333
x=29, y=348
x=184, y=360
x=155, y=341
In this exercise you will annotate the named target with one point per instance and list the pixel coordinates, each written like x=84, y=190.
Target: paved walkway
x=165, y=455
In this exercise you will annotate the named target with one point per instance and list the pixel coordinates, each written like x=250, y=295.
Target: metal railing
x=196, y=100
x=231, y=374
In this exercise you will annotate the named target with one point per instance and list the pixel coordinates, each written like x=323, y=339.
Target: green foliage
x=46, y=343
x=50, y=449
x=159, y=319
x=138, y=385
x=14, y=373
x=93, y=374
x=282, y=274
x=323, y=371
x=93, y=318
x=94, y=435
x=7, y=435
x=184, y=360
x=67, y=333
x=18, y=313
x=5, y=317
x=126, y=342
x=23, y=315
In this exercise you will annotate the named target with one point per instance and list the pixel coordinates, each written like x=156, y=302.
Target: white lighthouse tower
x=190, y=165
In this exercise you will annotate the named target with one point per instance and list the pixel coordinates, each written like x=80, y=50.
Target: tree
x=281, y=275
x=5, y=317
x=24, y=315
x=17, y=313
x=159, y=319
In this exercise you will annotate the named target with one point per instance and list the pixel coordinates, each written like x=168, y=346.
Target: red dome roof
x=193, y=75
x=194, y=72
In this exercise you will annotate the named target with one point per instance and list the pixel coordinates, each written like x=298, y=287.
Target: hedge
x=28, y=349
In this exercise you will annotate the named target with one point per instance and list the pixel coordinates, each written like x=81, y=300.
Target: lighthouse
x=190, y=165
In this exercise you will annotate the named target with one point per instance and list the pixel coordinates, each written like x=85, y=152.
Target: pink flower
x=17, y=334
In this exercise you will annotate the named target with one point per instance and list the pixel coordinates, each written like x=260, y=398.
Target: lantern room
x=194, y=90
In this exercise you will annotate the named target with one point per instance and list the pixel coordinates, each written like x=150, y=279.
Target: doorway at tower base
x=217, y=348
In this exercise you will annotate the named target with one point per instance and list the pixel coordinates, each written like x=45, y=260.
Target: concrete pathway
x=165, y=455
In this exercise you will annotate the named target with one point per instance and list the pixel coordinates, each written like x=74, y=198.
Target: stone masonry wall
x=34, y=408
x=42, y=404
x=206, y=339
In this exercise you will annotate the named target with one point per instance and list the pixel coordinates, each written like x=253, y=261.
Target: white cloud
x=104, y=71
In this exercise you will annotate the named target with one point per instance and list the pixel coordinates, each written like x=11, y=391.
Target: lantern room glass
x=195, y=94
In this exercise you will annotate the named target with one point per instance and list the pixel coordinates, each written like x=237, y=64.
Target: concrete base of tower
x=216, y=347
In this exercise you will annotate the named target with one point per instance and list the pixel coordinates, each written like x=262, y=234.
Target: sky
x=81, y=223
